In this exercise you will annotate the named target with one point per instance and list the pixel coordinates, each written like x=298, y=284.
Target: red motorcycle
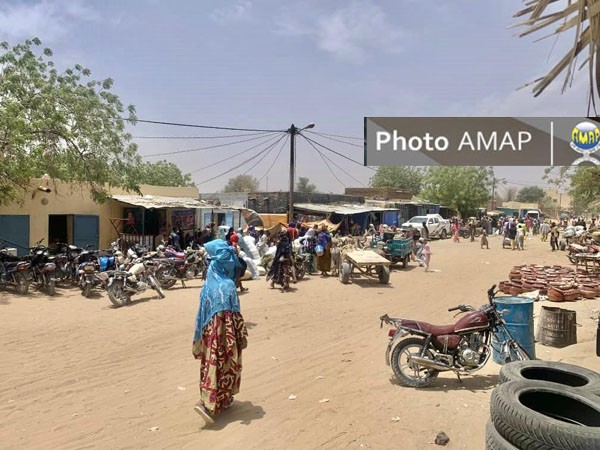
x=420, y=350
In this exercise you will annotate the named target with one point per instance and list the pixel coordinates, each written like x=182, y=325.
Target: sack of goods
x=319, y=250
x=544, y=405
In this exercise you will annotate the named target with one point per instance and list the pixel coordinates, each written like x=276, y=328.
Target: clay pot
x=554, y=295
x=515, y=290
x=571, y=295
x=588, y=294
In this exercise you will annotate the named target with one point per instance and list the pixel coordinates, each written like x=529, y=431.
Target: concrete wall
x=73, y=199
x=277, y=202
x=237, y=199
x=380, y=193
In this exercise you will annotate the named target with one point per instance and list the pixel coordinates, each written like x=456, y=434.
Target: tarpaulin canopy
x=157, y=201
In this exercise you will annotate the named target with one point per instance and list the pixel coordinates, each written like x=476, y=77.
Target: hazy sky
x=267, y=64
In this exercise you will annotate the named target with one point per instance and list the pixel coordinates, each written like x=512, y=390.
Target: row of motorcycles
x=121, y=275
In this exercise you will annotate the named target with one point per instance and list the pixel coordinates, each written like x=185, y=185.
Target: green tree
x=163, y=173
x=463, y=189
x=396, y=177
x=530, y=194
x=585, y=187
x=60, y=122
x=304, y=185
x=241, y=183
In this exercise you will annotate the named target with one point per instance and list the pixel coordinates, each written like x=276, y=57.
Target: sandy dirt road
x=77, y=373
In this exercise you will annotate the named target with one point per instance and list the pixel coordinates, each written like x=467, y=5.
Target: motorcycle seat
x=435, y=330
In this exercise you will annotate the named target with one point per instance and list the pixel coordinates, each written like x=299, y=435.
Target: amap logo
x=585, y=139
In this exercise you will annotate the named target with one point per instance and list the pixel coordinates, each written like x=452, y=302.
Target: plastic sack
x=319, y=250
x=252, y=250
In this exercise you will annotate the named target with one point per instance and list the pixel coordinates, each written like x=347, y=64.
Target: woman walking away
x=512, y=234
x=455, y=231
x=426, y=254
x=554, y=233
x=324, y=259
x=220, y=333
x=281, y=268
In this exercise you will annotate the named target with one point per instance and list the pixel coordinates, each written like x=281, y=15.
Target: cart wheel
x=384, y=274
x=345, y=271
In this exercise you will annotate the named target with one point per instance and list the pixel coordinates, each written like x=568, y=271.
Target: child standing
x=426, y=254
x=484, y=239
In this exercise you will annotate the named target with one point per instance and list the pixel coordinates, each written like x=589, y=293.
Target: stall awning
x=157, y=201
x=344, y=210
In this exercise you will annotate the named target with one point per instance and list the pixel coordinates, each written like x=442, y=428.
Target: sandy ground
x=78, y=373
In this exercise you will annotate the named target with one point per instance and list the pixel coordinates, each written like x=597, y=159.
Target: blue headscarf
x=219, y=291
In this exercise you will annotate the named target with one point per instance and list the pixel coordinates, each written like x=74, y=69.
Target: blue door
x=85, y=231
x=14, y=231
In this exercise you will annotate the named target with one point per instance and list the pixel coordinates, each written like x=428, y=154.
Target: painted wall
x=75, y=199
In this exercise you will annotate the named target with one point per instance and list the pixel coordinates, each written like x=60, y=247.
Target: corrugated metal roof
x=340, y=209
x=157, y=201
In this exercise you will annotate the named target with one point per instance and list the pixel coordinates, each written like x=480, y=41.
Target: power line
x=337, y=153
x=237, y=154
x=332, y=162
x=205, y=148
x=329, y=167
x=176, y=124
x=276, y=158
x=233, y=168
x=203, y=137
x=264, y=156
x=338, y=135
x=336, y=140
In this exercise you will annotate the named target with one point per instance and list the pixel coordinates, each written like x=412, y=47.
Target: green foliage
x=463, y=189
x=163, y=173
x=304, y=185
x=61, y=123
x=530, y=194
x=396, y=177
x=585, y=188
x=241, y=183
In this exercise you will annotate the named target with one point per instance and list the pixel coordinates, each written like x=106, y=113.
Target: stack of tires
x=544, y=406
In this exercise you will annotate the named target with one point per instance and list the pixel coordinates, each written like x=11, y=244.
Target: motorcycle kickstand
x=459, y=378
x=183, y=284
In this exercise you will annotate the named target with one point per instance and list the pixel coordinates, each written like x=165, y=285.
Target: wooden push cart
x=591, y=262
x=366, y=262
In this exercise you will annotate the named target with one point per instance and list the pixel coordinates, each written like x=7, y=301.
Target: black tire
x=407, y=380
x=384, y=274
x=443, y=234
x=51, y=288
x=405, y=261
x=572, y=258
x=117, y=295
x=160, y=273
x=554, y=372
x=494, y=441
x=345, y=271
x=299, y=271
x=21, y=283
x=542, y=415
x=87, y=290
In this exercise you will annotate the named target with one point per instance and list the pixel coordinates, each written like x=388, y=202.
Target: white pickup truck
x=436, y=225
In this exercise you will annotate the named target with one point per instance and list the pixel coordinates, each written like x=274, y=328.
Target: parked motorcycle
x=301, y=264
x=122, y=285
x=172, y=269
x=420, y=350
x=13, y=272
x=42, y=271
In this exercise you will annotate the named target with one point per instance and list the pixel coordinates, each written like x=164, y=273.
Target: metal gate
x=86, y=231
x=14, y=230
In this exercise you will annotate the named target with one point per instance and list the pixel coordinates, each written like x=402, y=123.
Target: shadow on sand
x=473, y=383
x=243, y=412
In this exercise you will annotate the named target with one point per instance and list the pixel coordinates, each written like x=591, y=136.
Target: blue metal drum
x=519, y=321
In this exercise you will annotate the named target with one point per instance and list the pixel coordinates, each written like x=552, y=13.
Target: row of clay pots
x=557, y=282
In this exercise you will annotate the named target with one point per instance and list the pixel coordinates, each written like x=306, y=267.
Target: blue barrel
x=519, y=321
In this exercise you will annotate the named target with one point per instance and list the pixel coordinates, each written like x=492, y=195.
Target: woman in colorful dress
x=324, y=260
x=220, y=333
x=455, y=231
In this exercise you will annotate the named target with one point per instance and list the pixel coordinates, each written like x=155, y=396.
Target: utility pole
x=293, y=132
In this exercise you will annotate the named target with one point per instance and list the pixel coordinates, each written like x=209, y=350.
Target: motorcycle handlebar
x=456, y=308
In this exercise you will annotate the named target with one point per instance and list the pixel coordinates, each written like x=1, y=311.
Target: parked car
x=436, y=225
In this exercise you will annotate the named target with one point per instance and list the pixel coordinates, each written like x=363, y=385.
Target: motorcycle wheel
x=21, y=284
x=408, y=374
x=87, y=290
x=299, y=271
x=160, y=273
x=572, y=258
x=117, y=295
x=51, y=288
x=156, y=286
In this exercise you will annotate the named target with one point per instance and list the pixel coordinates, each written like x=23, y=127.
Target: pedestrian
x=484, y=239
x=472, y=229
x=324, y=258
x=554, y=233
x=425, y=230
x=280, y=271
x=174, y=239
x=455, y=231
x=521, y=230
x=544, y=230
x=242, y=266
x=512, y=235
x=426, y=254
x=220, y=334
